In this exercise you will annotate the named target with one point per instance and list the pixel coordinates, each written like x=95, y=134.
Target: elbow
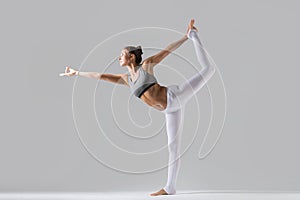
x=211, y=69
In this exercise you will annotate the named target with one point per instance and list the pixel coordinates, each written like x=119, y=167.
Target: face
x=125, y=58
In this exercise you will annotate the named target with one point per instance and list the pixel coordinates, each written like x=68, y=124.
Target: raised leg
x=187, y=89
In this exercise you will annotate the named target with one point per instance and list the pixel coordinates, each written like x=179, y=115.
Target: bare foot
x=160, y=192
x=191, y=26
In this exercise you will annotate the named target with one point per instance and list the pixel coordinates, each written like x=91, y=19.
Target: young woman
x=170, y=100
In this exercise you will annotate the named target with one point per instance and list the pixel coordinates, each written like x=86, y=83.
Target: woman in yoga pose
x=170, y=100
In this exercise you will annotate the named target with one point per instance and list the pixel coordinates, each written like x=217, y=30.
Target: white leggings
x=177, y=97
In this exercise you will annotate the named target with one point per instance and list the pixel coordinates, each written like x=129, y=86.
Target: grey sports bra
x=142, y=83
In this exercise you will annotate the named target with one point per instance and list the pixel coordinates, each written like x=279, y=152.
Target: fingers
x=67, y=69
x=67, y=72
x=64, y=74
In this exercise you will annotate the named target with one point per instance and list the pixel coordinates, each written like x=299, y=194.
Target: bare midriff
x=156, y=97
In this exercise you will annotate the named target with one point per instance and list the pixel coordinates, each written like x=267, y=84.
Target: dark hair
x=137, y=51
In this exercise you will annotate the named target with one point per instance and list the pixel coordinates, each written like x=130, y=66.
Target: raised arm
x=157, y=58
x=113, y=78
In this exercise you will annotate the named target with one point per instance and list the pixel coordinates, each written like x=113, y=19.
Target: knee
x=208, y=72
x=212, y=71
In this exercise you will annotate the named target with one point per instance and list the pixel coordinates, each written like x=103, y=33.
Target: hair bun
x=139, y=48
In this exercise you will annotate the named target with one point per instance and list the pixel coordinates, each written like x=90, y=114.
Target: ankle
x=192, y=33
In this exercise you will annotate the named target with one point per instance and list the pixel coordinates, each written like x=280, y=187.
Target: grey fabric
x=144, y=80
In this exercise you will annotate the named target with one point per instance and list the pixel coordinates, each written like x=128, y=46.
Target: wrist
x=185, y=37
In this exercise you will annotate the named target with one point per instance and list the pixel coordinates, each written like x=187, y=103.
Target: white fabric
x=177, y=97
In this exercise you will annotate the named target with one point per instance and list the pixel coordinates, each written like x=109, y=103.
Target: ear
x=132, y=57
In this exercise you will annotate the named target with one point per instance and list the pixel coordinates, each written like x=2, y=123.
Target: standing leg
x=174, y=129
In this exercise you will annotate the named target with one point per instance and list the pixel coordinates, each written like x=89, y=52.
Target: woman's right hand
x=69, y=72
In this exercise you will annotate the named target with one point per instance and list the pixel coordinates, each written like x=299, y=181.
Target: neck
x=132, y=68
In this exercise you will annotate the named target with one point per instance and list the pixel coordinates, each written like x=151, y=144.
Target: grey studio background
x=254, y=44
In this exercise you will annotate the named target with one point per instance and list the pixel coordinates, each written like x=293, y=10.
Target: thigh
x=173, y=126
x=173, y=101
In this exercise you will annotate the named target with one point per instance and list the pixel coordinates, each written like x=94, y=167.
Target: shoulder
x=146, y=65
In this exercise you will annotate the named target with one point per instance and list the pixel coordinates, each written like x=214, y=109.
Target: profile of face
x=126, y=58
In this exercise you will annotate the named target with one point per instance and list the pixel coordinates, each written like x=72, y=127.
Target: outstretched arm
x=114, y=78
x=157, y=58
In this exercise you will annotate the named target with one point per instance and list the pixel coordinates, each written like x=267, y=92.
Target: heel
x=191, y=33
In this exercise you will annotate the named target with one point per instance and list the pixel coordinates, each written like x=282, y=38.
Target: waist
x=144, y=89
x=156, y=96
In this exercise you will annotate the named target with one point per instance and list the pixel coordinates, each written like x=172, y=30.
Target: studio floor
x=186, y=195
